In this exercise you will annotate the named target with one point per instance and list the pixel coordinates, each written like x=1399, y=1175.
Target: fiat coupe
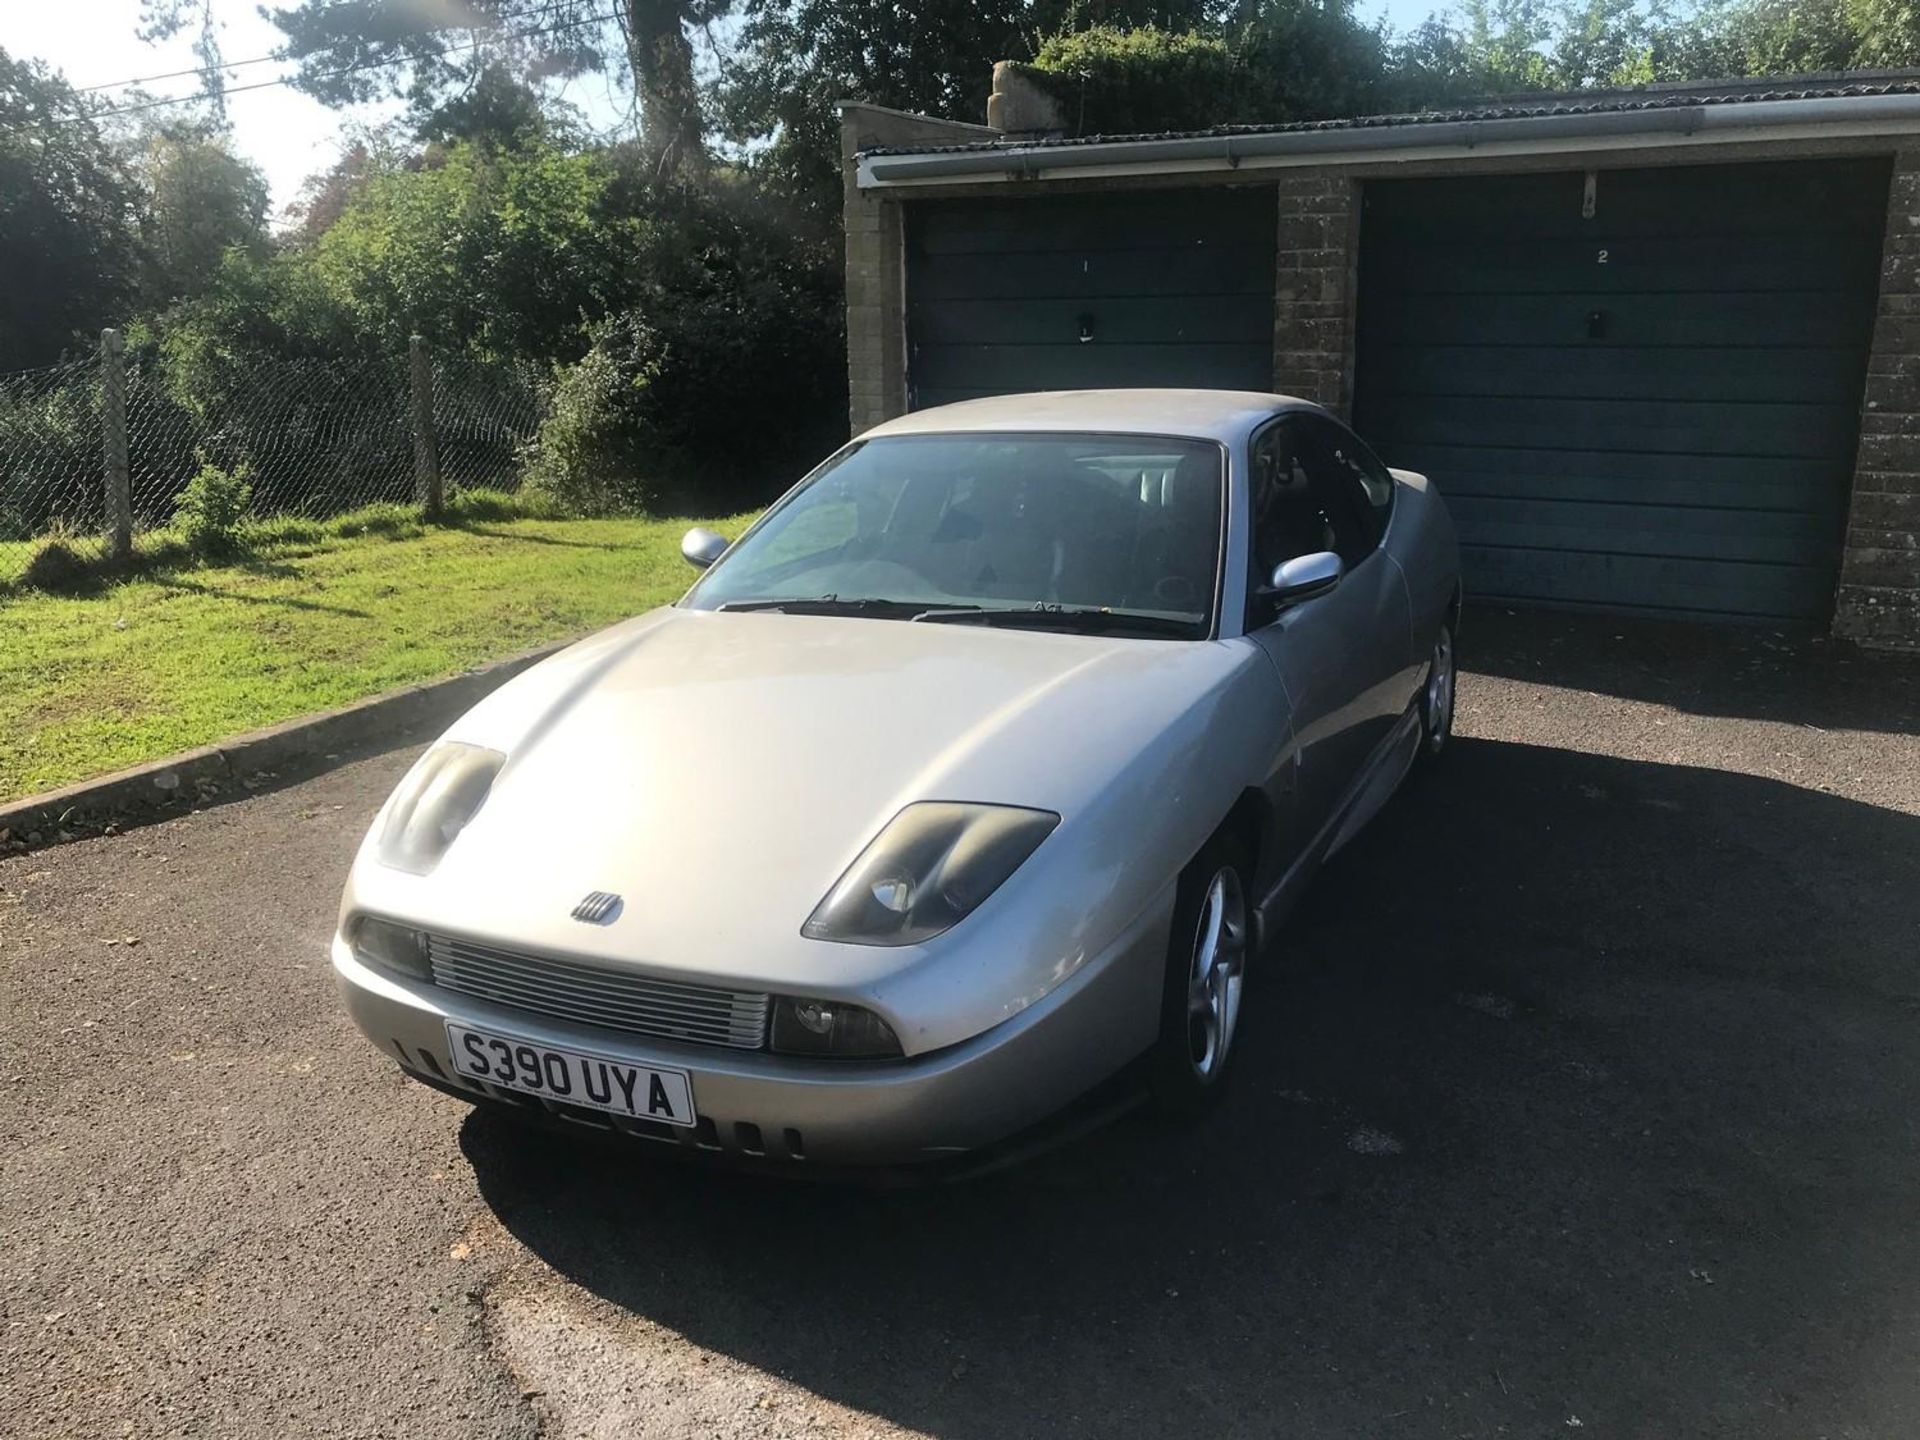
x=970, y=777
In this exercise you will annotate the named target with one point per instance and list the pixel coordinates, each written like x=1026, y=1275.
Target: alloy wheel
x=1217, y=973
x=1439, y=696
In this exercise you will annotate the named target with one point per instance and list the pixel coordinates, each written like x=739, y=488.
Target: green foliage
x=69, y=559
x=211, y=512
x=721, y=381
x=1789, y=37
x=48, y=434
x=201, y=200
x=277, y=532
x=1312, y=60
x=68, y=253
x=1110, y=81
x=503, y=252
x=794, y=58
x=587, y=456
x=500, y=110
x=480, y=505
x=383, y=518
x=56, y=566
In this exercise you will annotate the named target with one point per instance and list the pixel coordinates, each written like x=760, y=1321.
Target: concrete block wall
x=876, y=280
x=1314, y=286
x=1879, y=597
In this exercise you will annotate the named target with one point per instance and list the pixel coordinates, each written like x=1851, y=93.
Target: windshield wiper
x=827, y=605
x=1085, y=619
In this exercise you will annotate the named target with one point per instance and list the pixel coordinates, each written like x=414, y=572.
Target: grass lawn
x=177, y=658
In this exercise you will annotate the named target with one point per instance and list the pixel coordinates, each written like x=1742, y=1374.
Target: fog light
x=815, y=1016
x=829, y=1028
x=388, y=946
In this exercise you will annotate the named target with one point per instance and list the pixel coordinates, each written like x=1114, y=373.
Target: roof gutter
x=1745, y=121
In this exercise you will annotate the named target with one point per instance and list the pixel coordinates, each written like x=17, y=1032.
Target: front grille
x=592, y=995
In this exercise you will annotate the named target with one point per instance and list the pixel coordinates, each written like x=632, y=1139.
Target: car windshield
x=1112, y=532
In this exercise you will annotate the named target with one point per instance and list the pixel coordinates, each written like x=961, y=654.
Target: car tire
x=1202, y=1000
x=1437, y=695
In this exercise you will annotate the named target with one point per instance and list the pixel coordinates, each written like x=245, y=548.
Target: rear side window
x=1363, y=468
x=1305, y=499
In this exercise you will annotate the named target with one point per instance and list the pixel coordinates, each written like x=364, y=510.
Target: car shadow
x=1700, y=669
x=1578, y=1088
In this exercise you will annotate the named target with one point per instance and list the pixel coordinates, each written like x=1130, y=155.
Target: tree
x=200, y=201
x=1797, y=37
x=434, y=52
x=325, y=194
x=792, y=59
x=1312, y=60
x=507, y=254
x=500, y=111
x=164, y=19
x=68, y=247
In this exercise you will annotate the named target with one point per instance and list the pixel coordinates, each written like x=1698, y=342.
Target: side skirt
x=1364, y=799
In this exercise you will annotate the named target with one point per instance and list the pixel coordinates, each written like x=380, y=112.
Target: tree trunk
x=662, y=59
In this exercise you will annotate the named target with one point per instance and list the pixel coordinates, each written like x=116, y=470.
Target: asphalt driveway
x=1583, y=1095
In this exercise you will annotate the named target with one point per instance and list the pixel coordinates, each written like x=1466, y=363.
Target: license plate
x=573, y=1076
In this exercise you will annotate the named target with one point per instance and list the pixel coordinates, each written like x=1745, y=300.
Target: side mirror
x=1304, y=577
x=700, y=547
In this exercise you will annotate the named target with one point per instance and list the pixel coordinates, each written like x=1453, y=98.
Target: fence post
x=426, y=444
x=113, y=429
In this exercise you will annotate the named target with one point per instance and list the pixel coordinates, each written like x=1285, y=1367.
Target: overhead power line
x=225, y=65
x=345, y=70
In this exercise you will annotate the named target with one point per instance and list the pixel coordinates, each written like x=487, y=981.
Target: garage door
x=1654, y=408
x=1160, y=287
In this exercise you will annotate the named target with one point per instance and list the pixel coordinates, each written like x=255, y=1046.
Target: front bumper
x=963, y=1098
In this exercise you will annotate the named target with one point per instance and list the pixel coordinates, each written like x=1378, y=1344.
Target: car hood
x=719, y=771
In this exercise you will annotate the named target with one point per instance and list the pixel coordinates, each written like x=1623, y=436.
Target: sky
x=286, y=134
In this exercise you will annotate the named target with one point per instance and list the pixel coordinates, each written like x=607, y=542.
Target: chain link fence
x=50, y=459
x=314, y=438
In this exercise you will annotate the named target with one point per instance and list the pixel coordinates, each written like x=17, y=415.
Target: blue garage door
x=1156, y=287
x=1654, y=407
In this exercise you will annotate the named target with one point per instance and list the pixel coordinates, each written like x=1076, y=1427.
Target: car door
x=1342, y=656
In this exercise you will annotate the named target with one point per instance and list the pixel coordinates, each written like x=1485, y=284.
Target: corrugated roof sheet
x=1584, y=102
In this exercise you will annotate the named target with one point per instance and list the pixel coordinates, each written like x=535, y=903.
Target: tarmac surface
x=1582, y=1095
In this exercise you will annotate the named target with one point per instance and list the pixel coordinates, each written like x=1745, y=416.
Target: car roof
x=1223, y=415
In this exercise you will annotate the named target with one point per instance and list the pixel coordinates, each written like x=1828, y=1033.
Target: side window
x=1303, y=500
x=1376, y=481
x=1339, y=484
x=1360, y=470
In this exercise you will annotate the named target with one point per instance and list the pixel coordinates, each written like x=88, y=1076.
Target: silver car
x=971, y=774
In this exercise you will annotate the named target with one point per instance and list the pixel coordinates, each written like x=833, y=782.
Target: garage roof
x=1880, y=103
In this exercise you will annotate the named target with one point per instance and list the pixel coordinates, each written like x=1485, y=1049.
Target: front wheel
x=1436, y=698
x=1206, y=975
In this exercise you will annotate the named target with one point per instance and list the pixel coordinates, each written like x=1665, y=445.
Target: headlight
x=932, y=865
x=827, y=1027
x=389, y=946
x=443, y=791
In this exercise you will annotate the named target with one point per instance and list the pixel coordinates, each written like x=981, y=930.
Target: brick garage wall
x=1313, y=293
x=1879, y=597
x=876, y=286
